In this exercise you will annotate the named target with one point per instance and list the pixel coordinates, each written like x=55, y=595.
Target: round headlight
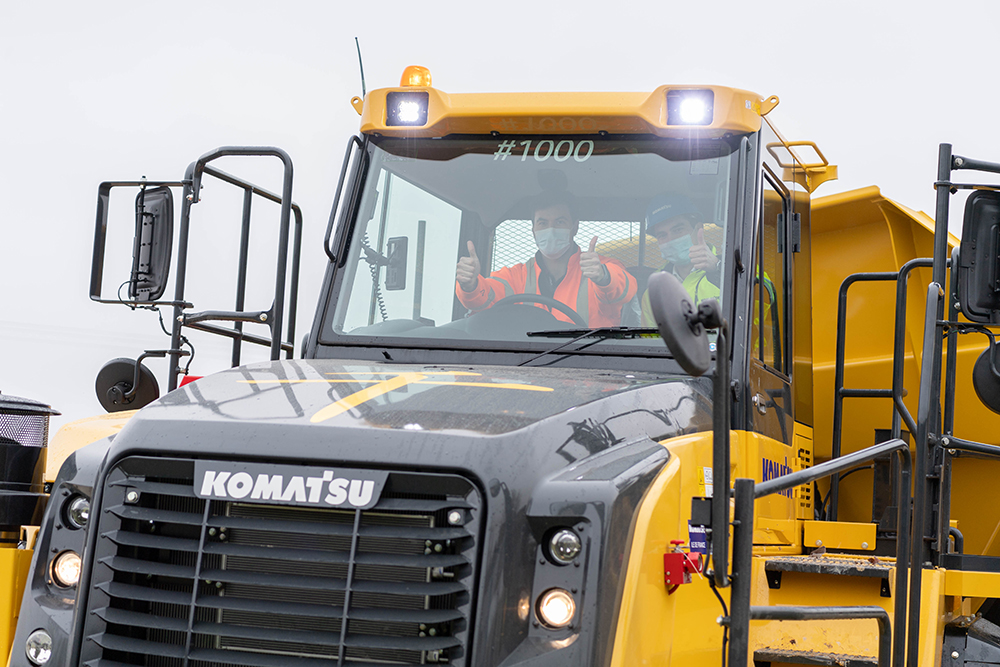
x=78, y=512
x=66, y=569
x=564, y=546
x=556, y=608
x=38, y=647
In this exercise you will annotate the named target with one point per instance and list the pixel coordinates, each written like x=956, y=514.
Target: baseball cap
x=666, y=206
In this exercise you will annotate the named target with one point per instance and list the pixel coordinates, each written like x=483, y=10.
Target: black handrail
x=275, y=316
x=839, y=391
x=901, y=413
x=797, y=613
x=746, y=491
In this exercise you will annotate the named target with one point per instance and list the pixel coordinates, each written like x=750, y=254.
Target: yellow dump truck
x=483, y=453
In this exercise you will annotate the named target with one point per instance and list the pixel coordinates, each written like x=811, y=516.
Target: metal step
x=765, y=657
x=872, y=567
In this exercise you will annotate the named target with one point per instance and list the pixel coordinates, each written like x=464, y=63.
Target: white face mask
x=552, y=242
x=677, y=251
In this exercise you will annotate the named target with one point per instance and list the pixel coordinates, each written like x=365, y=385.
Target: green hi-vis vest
x=697, y=285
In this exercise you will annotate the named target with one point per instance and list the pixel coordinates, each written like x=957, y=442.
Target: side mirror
x=154, y=236
x=124, y=384
x=979, y=258
x=679, y=322
x=986, y=379
x=395, y=272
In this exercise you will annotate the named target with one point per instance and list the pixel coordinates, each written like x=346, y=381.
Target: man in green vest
x=678, y=227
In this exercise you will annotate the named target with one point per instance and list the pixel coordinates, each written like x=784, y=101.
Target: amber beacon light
x=415, y=76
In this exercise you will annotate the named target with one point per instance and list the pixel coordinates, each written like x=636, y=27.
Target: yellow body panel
x=14, y=565
x=656, y=627
x=563, y=113
x=966, y=584
x=75, y=435
x=839, y=535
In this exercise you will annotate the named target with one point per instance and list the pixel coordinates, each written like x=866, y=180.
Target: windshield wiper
x=599, y=332
x=579, y=334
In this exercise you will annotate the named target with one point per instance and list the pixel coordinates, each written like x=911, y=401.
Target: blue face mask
x=677, y=251
x=553, y=241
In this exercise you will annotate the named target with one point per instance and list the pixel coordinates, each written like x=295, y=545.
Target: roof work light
x=406, y=108
x=690, y=107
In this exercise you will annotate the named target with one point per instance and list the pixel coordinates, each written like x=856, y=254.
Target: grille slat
x=421, y=505
x=150, y=541
x=273, y=578
x=149, y=514
x=158, y=488
x=418, y=643
x=134, y=566
x=126, y=617
x=142, y=593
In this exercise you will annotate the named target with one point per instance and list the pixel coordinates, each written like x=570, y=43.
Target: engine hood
x=468, y=400
x=544, y=447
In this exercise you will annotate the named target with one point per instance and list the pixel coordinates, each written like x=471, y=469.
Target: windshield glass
x=467, y=240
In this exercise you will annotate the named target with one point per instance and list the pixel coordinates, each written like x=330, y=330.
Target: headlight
x=406, y=108
x=564, y=546
x=38, y=647
x=690, y=107
x=66, y=569
x=556, y=608
x=78, y=512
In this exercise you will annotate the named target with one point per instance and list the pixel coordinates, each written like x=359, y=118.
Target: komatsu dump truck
x=484, y=454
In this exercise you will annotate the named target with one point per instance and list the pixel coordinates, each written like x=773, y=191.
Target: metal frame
x=274, y=316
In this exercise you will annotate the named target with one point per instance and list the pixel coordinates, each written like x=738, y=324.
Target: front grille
x=181, y=581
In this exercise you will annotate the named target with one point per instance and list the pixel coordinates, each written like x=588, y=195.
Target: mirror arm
x=959, y=162
x=260, y=316
x=720, y=445
x=138, y=364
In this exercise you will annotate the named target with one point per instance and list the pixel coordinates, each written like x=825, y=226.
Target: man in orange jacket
x=596, y=287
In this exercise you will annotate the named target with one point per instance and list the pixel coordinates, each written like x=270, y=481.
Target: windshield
x=464, y=241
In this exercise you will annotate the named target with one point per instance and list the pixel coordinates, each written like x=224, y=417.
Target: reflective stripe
x=489, y=301
x=531, y=282
x=627, y=285
x=583, y=300
x=507, y=289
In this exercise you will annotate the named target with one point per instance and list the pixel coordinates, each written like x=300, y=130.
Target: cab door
x=769, y=380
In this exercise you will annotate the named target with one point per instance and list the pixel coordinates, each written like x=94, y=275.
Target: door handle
x=760, y=403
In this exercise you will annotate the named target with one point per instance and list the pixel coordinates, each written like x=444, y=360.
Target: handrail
x=821, y=470
x=838, y=387
x=803, y=613
x=926, y=408
x=746, y=491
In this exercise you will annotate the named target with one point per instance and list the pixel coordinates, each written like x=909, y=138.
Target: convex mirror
x=680, y=326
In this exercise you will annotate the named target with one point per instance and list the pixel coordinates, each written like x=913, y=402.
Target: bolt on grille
x=182, y=581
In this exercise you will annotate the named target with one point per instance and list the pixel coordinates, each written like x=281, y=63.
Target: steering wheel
x=545, y=301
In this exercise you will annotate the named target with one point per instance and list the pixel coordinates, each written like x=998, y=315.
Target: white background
x=116, y=90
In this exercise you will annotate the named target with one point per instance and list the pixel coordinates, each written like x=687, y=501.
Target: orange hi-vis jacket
x=598, y=306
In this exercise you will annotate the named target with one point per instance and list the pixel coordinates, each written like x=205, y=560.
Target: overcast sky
x=116, y=90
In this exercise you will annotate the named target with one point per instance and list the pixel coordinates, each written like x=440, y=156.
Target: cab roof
x=733, y=111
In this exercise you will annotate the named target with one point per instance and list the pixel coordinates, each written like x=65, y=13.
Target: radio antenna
x=362, y=66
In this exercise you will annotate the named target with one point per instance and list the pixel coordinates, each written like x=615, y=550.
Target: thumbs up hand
x=467, y=271
x=701, y=255
x=591, y=266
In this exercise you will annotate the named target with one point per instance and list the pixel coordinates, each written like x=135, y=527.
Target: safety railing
x=746, y=491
